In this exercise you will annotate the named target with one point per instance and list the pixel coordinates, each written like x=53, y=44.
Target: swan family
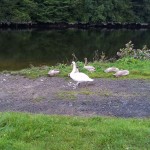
x=80, y=77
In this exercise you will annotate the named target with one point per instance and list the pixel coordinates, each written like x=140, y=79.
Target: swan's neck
x=74, y=68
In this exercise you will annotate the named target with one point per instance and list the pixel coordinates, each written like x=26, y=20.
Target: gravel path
x=105, y=97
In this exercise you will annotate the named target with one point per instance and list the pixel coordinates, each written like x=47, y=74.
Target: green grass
x=20, y=131
x=72, y=94
x=139, y=69
x=67, y=95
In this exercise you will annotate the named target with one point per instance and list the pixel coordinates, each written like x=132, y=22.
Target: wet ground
x=53, y=95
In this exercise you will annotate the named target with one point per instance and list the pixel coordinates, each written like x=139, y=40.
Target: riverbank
x=31, y=90
x=139, y=69
x=65, y=25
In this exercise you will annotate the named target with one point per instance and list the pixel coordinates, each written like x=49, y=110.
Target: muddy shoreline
x=53, y=95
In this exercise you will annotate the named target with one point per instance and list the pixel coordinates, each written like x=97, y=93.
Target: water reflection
x=19, y=49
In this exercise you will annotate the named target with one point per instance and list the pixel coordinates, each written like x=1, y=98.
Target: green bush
x=130, y=52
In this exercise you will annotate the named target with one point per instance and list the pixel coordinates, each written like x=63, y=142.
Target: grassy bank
x=139, y=69
x=20, y=131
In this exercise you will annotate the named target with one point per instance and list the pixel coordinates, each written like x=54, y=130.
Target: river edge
x=79, y=25
x=55, y=95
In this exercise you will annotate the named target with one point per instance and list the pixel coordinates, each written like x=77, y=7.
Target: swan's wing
x=81, y=77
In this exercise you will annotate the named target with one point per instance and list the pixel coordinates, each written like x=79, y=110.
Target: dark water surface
x=19, y=49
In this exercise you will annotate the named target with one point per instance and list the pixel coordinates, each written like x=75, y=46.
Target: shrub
x=129, y=51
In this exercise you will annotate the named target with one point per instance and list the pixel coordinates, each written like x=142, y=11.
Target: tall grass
x=42, y=132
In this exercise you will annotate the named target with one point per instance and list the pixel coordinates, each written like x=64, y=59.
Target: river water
x=21, y=48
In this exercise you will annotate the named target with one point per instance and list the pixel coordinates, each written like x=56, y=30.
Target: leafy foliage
x=129, y=51
x=92, y=11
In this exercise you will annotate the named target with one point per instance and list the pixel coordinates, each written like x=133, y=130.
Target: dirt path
x=121, y=98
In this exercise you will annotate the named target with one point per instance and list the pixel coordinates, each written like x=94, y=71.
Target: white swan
x=79, y=76
x=53, y=72
x=121, y=73
x=111, y=69
x=89, y=68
